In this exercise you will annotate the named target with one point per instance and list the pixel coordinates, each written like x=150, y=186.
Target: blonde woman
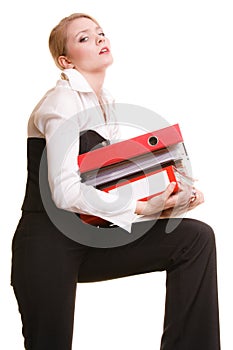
x=47, y=262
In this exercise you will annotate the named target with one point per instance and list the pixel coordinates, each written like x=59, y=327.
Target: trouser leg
x=188, y=256
x=44, y=277
x=191, y=317
x=47, y=318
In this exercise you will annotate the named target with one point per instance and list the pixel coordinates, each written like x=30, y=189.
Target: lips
x=104, y=50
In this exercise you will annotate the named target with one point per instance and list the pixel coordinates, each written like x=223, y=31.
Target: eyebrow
x=86, y=30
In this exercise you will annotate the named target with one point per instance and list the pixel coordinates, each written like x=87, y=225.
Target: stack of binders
x=139, y=168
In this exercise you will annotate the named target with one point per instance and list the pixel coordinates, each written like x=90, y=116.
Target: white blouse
x=66, y=110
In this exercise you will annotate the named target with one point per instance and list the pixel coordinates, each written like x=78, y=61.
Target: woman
x=47, y=264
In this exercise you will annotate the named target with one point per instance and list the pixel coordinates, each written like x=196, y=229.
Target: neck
x=96, y=81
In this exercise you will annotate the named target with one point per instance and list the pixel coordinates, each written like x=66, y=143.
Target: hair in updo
x=58, y=36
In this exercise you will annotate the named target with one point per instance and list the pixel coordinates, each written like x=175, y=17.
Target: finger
x=198, y=200
x=169, y=190
x=200, y=196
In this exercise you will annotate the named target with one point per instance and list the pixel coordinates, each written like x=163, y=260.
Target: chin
x=103, y=66
x=107, y=61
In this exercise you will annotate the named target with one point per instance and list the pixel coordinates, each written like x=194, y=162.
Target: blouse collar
x=78, y=83
x=76, y=80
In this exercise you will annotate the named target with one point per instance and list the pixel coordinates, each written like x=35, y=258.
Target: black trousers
x=47, y=265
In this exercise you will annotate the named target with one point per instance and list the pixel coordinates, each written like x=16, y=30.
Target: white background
x=172, y=56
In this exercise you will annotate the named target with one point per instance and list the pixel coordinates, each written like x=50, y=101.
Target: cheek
x=85, y=51
x=87, y=57
x=80, y=53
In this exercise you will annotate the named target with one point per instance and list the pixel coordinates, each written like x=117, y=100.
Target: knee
x=204, y=234
x=197, y=234
x=207, y=232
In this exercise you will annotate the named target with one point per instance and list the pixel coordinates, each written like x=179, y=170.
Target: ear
x=64, y=62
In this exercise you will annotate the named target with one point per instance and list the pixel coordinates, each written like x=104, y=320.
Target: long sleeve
x=59, y=122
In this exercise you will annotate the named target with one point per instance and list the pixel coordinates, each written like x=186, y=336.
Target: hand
x=156, y=204
x=180, y=198
x=167, y=203
x=196, y=199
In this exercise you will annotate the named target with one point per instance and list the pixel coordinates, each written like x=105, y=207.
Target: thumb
x=169, y=190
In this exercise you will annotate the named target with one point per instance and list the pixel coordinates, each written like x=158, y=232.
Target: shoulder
x=60, y=100
x=58, y=105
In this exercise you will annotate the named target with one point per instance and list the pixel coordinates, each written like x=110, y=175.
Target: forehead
x=81, y=24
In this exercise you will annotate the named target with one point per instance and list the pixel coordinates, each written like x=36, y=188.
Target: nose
x=100, y=39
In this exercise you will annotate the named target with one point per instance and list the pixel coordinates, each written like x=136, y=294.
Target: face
x=88, y=50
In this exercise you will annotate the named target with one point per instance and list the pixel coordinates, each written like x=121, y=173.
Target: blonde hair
x=58, y=36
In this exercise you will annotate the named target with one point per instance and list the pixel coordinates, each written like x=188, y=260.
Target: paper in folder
x=139, y=168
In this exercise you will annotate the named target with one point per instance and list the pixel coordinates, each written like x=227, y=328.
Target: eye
x=102, y=34
x=82, y=40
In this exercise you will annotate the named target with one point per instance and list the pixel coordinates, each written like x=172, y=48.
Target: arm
x=68, y=192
